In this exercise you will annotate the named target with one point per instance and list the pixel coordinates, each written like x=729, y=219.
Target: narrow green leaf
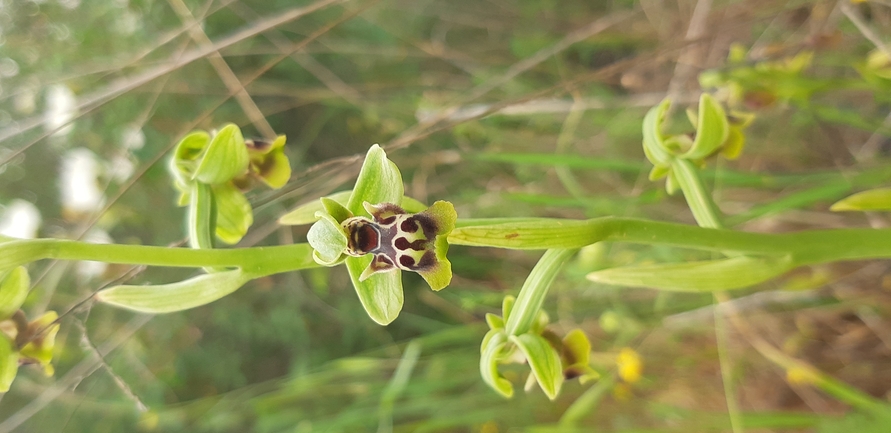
x=507, y=306
x=653, y=144
x=9, y=363
x=525, y=310
x=544, y=360
x=21, y=252
x=327, y=239
x=700, y=276
x=493, y=343
x=224, y=158
x=379, y=181
x=380, y=294
x=14, y=287
x=234, y=214
x=711, y=131
x=306, y=213
x=878, y=199
x=183, y=295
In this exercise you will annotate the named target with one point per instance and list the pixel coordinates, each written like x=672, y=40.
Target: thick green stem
x=258, y=261
x=805, y=247
x=698, y=198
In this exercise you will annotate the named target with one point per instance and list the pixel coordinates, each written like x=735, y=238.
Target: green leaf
x=234, y=214
x=306, y=213
x=327, y=239
x=525, y=310
x=224, y=158
x=544, y=360
x=167, y=298
x=9, y=363
x=537, y=234
x=14, y=287
x=379, y=181
x=493, y=343
x=711, y=131
x=21, y=252
x=878, y=199
x=700, y=276
x=380, y=294
x=653, y=144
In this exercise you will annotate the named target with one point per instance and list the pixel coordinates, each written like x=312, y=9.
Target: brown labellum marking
x=407, y=261
x=409, y=225
x=367, y=238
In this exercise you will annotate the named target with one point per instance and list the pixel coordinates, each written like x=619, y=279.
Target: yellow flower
x=630, y=365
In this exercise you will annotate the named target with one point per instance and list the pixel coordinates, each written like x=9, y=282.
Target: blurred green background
x=505, y=108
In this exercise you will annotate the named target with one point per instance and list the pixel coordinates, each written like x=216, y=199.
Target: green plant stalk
x=257, y=261
x=804, y=248
x=700, y=202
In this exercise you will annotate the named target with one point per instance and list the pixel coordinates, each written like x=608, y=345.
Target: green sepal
x=380, y=294
x=525, y=312
x=186, y=157
x=14, y=285
x=327, y=239
x=544, y=361
x=735, y=143
x=671, y=183
x=712, y=129
x=306, y=213
x=653, y=139
x=878, y=199
x=234, y=215
x=336, y=210
x=379, y=181
x=225, y=158
x=494, y=321
x=490, y=350
x=699, y=276
x=183, y=295
x=40, y=348
x=9, y=363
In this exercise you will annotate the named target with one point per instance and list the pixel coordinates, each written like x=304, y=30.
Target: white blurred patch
x=60, y=109
x=77, y=182
x=87, y=269
x=69, y=4
x=20, y=219
x=8, y=67
x=127, y=22
x=25, y=101
x=132, y=138
x=121, y=167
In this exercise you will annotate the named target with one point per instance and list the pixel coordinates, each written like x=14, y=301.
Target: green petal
x=187, y=155
x=41, y=348
x=379, y=181
x=507, y=306
x=544, y=360
x=380, y=294
x=13, y=291
x=653, y=144
x=166, y=298
x=9, y=363
x=493, y=343
x=306, y=213
x=711, y=131
x=700, y=276
x=336, y=210
x=275, y=169
x=878, y=199
x=577, y=347
x=327, y=239
x=494, y=321
x=225, y=157
x=234, y=213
